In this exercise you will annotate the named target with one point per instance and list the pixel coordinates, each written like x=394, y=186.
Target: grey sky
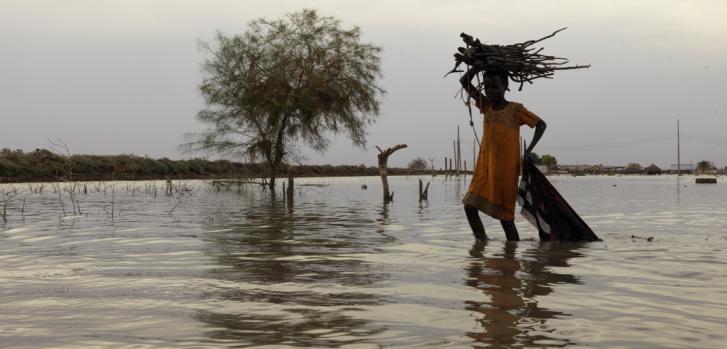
x=113, y=77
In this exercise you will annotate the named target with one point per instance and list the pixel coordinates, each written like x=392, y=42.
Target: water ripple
x=338, y=268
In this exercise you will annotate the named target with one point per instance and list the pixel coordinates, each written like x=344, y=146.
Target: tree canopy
x=705, y=165
x=633, y=166
x=548, y=160
x=284, y=83
x=417, y=164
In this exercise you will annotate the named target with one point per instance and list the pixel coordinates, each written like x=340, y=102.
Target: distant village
x=631, y=169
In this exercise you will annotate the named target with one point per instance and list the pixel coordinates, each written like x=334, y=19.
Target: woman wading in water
x=493, y=189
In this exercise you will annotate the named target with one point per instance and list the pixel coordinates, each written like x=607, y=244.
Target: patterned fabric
x=544, y=208
x=493, y=188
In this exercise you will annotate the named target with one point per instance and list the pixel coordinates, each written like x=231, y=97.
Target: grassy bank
x=44, y=165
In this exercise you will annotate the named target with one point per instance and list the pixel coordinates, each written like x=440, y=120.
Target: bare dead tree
x=383, y=158
x=423, y=191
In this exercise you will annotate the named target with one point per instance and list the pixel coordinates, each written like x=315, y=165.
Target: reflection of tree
x=384, y=215
x=512, y=316
x=318, y=329
x=272, y=263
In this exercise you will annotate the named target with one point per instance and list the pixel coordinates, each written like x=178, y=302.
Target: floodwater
x=338, y=268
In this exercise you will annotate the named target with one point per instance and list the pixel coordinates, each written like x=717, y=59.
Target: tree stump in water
x=383, y=158
x=423, y=193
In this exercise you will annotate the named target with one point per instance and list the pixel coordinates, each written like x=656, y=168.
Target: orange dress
x=493, y=189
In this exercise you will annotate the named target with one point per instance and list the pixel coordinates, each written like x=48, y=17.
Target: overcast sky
x=111, y=77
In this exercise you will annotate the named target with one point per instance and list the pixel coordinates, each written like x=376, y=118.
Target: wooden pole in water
x=474, y=157
x=423, y=191
x=420, y=190
x=454, y=150
x=445, y=164
x=679, y=158
x=459, y=152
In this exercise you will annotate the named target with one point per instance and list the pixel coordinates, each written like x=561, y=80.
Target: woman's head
x=496, y=82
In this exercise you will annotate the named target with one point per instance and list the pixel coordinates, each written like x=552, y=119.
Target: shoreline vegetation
x=44, y=165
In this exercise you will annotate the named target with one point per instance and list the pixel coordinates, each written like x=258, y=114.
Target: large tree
x=286, y=83
x=417, y=164
x=549, y=160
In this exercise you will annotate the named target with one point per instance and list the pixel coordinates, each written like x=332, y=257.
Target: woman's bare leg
x=510, y=230
x=473, y=217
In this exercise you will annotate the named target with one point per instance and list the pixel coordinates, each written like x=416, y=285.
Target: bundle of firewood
x=521, y=61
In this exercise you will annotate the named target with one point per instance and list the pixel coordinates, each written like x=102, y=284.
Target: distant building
x=684, y=168
x=653, y=170
x=599, y=169
x=612, y=170
x=575, y=168
x=634, y=171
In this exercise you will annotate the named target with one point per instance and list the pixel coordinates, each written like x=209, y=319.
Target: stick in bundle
x=521, y=61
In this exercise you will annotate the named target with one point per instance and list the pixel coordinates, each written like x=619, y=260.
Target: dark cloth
x=543, y=206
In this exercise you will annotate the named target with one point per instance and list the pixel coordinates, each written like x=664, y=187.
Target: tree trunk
x=383, y=158
x=291, y=187
x=383, y=172
x=271, y=184
x=272, y=167
x=279, y=149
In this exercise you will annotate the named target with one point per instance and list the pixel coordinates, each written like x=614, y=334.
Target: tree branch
x=391, y=150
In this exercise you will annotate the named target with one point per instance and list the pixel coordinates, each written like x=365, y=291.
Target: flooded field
x=239, y=268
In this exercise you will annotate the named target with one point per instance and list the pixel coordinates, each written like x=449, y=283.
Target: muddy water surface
x=239, y=268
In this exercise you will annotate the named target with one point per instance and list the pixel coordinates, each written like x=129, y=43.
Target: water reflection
x=294, y=277
x=240, y=269
x=310, y=328
x=512, y=316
